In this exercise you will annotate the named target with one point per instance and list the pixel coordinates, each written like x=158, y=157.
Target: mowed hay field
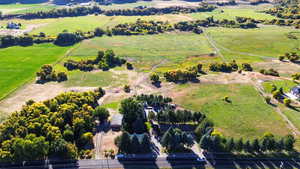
x=254, y=44
x=246, y=116
x=149, y=50
x=19, y=64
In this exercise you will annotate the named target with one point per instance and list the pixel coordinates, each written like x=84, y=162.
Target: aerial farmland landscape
x=93, y=84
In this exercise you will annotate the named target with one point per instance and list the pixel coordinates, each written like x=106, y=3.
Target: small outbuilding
x=116, y=122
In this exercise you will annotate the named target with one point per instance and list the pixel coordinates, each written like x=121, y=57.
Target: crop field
x=19, y=64
x=253, y=44
x=246, y=116
x=149, y=50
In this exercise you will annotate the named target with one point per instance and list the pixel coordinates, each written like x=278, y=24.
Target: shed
x=116, y=122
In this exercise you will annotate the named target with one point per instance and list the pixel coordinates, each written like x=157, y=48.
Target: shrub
x=287, y=102
x=268, y=99
x=127, y=88
x=246, y=67
x=281, y=58
x=154, y=78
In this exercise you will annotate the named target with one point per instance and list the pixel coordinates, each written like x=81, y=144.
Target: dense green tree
x=135, y=145
x=124, y=143
x=101, y=113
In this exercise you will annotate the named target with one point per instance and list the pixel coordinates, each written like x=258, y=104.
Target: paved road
x=164, y=163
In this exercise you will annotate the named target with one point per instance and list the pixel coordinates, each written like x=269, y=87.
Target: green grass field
x=149, y=50
x=285, y=84
x=19, y=64
x=25, y=8
x=246, y=116
x=231, y=13
x=88, y=23
x=253, y=44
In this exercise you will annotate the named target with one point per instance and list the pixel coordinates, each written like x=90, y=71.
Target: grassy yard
x=19, y=64
x=150, y=50
x=253, y=44
x=246, y=116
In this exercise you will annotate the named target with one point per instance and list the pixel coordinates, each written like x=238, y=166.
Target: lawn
x=19, y=64
x=253, y=44
x=149, y=50
x=246, y=116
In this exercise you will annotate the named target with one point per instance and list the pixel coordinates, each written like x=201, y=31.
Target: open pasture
x=149, y=51
x=18, y=65
x=253, y=45
x=231, y=13
x=25, y=8
x=246, y=115
x=54, y=26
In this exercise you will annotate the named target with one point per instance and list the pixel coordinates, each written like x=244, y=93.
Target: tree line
x=61, y=127
x=83, y=11
x=268, y=143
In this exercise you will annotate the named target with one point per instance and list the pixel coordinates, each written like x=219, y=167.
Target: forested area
x=61, y=127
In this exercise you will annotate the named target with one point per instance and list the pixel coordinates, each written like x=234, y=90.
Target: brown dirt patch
x=108, y=141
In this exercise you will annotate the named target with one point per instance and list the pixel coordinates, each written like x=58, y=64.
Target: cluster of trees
x=104, y=60
x=268, y=143
x=240, y=22
x=293, y=57
x=177, y=116
x=175, y=140
x=47, y=74
x=229, y=67
x=285, y=12
x=131, y=144
x=181, y=76
x=156, y=101
x=133, y=116
x=270, y=72
x=141, y=27
x=8, y=40
x=184, y=75
x=60, y=127
x=83, y=11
